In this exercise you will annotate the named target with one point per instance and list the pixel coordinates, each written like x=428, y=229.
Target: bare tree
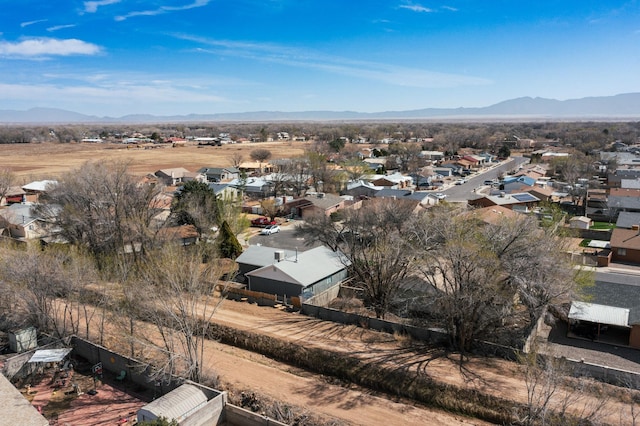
x=260, y=155
x=180, y=290
x=236, y=159
x=553, y=397
x=7, y=180
x=375, y=243
x=102, y=207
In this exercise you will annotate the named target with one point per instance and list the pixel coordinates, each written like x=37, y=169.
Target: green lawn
x=602, y=225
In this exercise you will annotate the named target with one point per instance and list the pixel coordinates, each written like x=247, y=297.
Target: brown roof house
x=625, y=245
x=314, y=203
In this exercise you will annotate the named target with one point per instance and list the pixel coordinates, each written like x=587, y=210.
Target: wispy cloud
x=26, y=24
x=46, y=47
x=416, y=8
x=92, y=6
x=163, y=9
x=60, y=27
x=382, y=72
x=450, y=8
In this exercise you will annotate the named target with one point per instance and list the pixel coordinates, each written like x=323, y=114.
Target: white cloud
x=45, y=47
x=92, y=6
x=26, y=24
x=163, y=9
x=108, y=98
x=416, y=8
x=449, y=8
x=60, y=27
x=395, y=75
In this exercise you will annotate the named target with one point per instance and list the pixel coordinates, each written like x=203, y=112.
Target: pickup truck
x=262, y=222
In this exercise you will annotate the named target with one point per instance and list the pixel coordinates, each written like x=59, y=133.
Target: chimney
x=635, y=227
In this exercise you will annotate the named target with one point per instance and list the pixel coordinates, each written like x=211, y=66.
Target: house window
x=622, y=252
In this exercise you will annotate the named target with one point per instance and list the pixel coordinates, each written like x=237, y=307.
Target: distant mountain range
x=619, y=107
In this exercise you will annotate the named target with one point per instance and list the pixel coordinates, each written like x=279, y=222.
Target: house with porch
x=611, y=315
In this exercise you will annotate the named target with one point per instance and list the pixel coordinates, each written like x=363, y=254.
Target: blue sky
x=164, y=57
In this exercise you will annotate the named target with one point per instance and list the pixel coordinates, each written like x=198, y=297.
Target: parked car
x=271, y=229
x=262, y=222
x=441, y=196
x=461, y=181
x=489, y=182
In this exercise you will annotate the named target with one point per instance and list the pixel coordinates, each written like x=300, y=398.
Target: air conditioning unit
x=279, y=255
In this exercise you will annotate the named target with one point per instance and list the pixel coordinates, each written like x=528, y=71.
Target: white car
x=441, y=196
x=271, y=229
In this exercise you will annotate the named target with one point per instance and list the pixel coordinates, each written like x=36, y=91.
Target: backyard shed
x=177, y=405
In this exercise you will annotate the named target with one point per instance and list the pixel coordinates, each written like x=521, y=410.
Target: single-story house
x=178, y=175
x=34, y=189
x=254, y=187
x=628, y=219
x=361, y=188
x=225, y=191
x=20, y=222
x=184, y=235
x=314, y=203
x=625, y=245
x=395, y=180
x=521, y=202
x=14, y=194
x=612, y=314
x=289, y=273
x=220, y=174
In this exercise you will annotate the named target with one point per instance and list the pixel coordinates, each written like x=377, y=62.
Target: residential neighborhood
x=361, y=236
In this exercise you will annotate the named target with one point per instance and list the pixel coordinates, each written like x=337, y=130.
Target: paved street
x=466, y=191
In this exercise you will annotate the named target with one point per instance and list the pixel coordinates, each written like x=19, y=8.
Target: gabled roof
x=390, y=193
x=39, y=185
x=628, y=219
x=617, y=291
x=632, y=203
x=492, y=215
x=261, y=255
x=323, y=200
x=176, y=172
x=625, y=238
x=17, y=214
x=218, y=170
x=305, y=269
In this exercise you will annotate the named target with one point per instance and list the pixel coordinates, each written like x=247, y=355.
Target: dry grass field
x=30, y=162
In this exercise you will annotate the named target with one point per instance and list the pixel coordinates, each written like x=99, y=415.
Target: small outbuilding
x=189, y=404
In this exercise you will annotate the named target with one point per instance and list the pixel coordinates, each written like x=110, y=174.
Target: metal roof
x=600, y=314
x=306, y=268
x=178, y=404
x=50, y=355
x=599, y=244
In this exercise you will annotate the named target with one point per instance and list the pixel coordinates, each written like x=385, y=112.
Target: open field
x=30, y=162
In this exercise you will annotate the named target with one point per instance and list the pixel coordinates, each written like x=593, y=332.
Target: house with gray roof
x=19, y=221
x=220, y=174
x=612, y=313
x=289, y=273
x=628, y=219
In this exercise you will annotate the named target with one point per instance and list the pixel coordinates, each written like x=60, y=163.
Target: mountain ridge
x=621, y=106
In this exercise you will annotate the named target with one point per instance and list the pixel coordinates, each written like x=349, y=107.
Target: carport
x=608, y=324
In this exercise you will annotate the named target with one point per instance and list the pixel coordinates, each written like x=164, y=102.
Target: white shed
x=580, y=222
x=177, y=405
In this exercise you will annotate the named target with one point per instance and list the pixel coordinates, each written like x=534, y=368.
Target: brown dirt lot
x=48, y=160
